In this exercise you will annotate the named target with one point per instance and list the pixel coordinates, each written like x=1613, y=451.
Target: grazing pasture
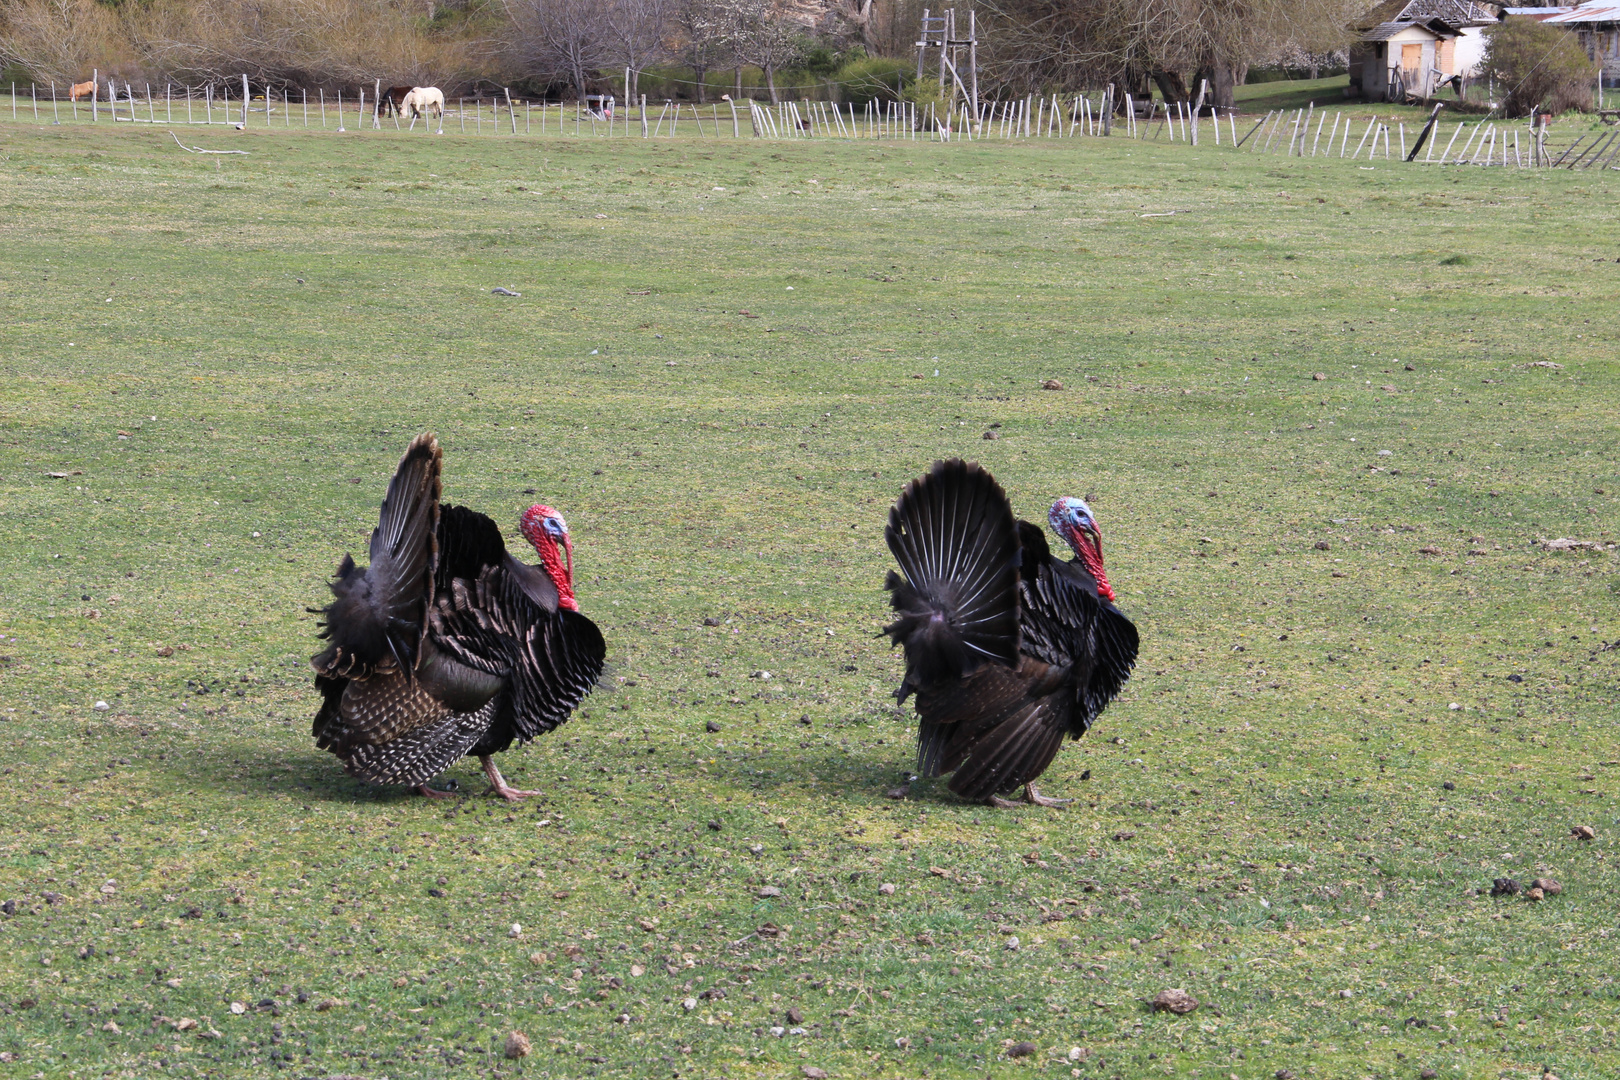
x=1322, y=412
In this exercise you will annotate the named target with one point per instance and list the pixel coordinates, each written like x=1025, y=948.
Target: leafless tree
x=561, y=38
x=764, y=34
x=61, y=40
x=703, y=36
x=1034, y=43
x=636, y=33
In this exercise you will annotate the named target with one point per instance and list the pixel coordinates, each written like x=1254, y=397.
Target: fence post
x=643, y=116
x=95, y=94
x=736, y=132
x=246, y=95
x=508, y=91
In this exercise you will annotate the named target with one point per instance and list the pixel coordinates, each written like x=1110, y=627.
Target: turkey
x=447, y=645
x=1008, y=649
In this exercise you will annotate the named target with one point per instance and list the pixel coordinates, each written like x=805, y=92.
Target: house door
x=1412, y=68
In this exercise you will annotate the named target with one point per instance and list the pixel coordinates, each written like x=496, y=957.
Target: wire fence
x=1303, y=132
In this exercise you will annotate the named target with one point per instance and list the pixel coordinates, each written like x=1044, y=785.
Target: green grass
x=1289, y=813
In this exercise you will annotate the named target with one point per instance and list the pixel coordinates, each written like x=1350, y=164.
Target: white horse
x=423, y=101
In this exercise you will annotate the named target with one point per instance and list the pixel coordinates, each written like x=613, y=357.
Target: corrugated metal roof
x=1535, y=12
x=1587, y=13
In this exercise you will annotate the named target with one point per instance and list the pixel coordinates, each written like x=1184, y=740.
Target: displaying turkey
x=1008, y=649
x=447, y=645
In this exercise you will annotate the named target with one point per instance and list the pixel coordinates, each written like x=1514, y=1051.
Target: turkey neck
x=1091, y=555
x=561, y=575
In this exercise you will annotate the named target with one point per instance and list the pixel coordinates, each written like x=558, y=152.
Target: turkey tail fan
x=378, y=616
x=953, y=533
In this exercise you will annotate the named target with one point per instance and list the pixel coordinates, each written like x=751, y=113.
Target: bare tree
x=1032, y=43
x=765, y=35
x=61, y=40
x=561, y=38
x=635, y=32
x=702, y=33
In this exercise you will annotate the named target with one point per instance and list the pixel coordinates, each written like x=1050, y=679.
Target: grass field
x=1323, y=412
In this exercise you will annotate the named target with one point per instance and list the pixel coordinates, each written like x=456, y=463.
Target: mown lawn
x=1324, y=412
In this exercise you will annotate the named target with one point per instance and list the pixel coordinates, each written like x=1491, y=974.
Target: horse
x=423, y=101
x=81, y=90
x=392, y=100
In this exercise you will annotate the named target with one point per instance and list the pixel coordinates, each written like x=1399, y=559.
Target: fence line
x=1485, y=141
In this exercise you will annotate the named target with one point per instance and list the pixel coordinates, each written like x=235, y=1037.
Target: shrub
x=874, y=78
x=926, y=94
x=1539, y=66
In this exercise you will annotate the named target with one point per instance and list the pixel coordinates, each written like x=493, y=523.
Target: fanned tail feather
x=379, y=612
x=953, y=533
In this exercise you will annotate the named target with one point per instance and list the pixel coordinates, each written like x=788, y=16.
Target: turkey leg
x=1030, y=796
x=433, y=793
x=498, y=782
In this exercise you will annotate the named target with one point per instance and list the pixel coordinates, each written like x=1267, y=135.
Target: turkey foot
x=1033, y=796
x=498, y=782
x=433, y=793
x=1030, y=796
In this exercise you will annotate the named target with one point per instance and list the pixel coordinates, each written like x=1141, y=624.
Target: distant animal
x=392, y=100
x=422, y=101
x=80, y=90
x=1008, y=649
x=447, y=645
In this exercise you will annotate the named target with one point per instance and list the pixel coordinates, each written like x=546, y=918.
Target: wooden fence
x=1303, y=132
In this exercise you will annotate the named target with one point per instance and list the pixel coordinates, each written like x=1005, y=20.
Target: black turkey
x=447, y=645
x=1008, y=649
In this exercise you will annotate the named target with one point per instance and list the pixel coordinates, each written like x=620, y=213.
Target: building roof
x=1456, y=13
x=1585, y=13
x=1386, y=30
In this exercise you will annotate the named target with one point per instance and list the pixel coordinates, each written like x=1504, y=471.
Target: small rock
x=1548, y=886
x=501, y=290
x=1583, y=832
x=1504, y=886
x=1021, y=1049
x=689, y=1004
x=1012, y=944
x=813, y=1073
x=886, y=889
x=1535, y=894
x=637, y=971
x=516, y=931
x=992, y=435
x=1051, y=384
x=778, y=1032
x=794, y=1015
x=1318, y=377
x=517, y=1045
x=1347, y=994
x=1176, y=1001
x=101, y=706
x=712, y=726
x=1323, y=545
x=238, y=1008
x=902, y=1042
x=768, y=891
x=173, y=984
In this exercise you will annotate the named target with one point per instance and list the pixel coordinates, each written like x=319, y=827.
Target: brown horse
x=391, y=100
x=81, y=90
